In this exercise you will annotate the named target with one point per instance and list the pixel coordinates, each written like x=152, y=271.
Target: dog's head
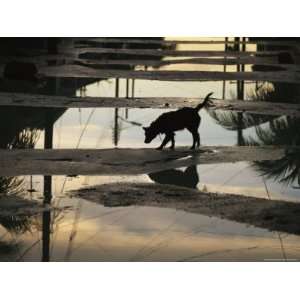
x=150, y=134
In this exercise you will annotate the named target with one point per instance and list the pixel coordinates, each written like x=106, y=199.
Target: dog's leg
x=198, y=140
x=164, y=143
x=172, y=140
x=195, y=139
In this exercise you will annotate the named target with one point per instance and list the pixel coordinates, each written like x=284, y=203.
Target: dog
x=170, y=122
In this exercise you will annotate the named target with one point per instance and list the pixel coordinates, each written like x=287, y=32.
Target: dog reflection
x=188, y=178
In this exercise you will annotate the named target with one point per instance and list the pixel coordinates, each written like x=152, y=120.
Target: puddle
x=93, y=232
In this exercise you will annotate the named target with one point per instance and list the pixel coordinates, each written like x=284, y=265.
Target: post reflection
x=46, y=219
x=48, y=144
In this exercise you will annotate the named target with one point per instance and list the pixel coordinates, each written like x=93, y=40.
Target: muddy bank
x=124, y=161
x=264, y=213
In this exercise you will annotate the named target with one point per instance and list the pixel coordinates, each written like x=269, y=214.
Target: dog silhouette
x=180, y=119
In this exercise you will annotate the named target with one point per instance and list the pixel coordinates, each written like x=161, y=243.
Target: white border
x=149, y=281
x=149, y=18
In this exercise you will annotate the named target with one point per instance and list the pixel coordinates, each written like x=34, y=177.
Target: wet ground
x=91, y=218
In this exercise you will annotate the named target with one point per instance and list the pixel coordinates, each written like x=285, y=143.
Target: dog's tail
x=202, y=104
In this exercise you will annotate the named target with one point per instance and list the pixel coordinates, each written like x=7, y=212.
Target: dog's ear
x=145, y=128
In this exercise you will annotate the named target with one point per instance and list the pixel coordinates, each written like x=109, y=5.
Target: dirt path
x=124, y=161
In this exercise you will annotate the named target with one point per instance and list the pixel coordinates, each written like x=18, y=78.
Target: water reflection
x=94, y=232
x=20, y=129
x=10, y=185
x=46, y=219
x=15, y=224
x=262, y=213
x=281, y=132
x=187, y=178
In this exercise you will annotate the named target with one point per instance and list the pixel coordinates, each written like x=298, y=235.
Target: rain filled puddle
x=99, y=193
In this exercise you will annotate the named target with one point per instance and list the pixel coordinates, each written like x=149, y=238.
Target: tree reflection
x=281, y=132
x=238, y=121
x=11, y=185
x=231, y=121
x=17, y=224
x=26, y=139
x=14, y=186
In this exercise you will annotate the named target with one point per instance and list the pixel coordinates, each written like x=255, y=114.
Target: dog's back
x=186, y=117
x=177, y=120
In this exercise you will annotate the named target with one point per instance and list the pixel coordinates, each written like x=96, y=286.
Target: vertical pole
x=238, y=69
x=117, y=88
x=116, y=123
x=127, y=96
x=241, y=68
x=127, y=88
x=31, y=184
x=244, y=44
x=132, y=88
x=240, y=95
x=240, y=138
x=224, y=70
x=48, y=140
x=116, y=127
x=236, y=46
